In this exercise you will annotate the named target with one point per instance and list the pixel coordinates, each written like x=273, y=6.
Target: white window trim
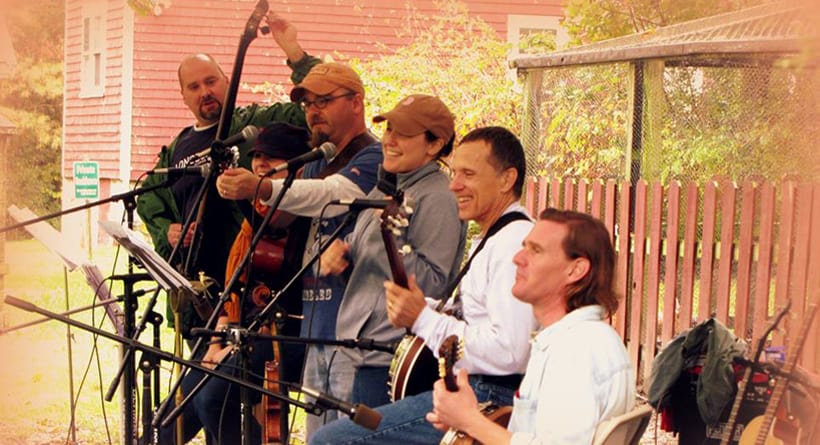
x=516, y=22
x=93, y=56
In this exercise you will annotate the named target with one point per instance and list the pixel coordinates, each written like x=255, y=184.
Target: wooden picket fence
x=686, y=252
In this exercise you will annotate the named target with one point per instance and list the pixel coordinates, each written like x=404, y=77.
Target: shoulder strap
x=497, y=226
x=350, y=150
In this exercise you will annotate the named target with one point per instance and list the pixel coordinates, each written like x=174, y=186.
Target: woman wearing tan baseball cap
x=404, y=147
x=419, y=131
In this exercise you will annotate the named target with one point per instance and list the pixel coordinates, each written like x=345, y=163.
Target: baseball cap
x=326, y=77
x=418, y=113
x=282, y=141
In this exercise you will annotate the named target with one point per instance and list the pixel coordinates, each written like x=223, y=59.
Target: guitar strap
x=351, y=149
x=337, y=163
x=495, y=228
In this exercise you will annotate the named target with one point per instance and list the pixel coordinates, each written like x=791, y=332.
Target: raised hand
x=284, y=33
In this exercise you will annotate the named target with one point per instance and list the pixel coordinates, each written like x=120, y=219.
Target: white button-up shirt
x=578, y=375
x=496, y=327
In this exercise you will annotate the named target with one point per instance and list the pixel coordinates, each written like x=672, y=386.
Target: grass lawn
x=35, y=392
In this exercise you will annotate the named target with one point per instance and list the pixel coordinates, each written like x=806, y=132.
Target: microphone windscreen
x=367, y=417
x=250, y=133
x=328, y=149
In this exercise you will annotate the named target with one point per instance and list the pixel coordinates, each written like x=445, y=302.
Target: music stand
x=168, y=280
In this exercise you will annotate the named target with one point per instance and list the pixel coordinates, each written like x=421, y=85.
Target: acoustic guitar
x=759, y=430
x=728, y=432
x=451, y=351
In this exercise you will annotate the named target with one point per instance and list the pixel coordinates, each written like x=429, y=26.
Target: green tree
x=32, y=99
x=589, y=21
x=455, y=56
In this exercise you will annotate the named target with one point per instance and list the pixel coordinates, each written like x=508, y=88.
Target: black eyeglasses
x=322, y=101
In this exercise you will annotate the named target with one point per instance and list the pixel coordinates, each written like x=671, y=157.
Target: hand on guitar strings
x=334, y=259
x=454, y=409
x=404, y=305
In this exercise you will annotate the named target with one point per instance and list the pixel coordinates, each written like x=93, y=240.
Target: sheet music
x=166, y=276
x=71, y=258
x=49, y=236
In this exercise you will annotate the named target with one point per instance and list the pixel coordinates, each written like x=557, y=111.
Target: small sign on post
x=87, y=180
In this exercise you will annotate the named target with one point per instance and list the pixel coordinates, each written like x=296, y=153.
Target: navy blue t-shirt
x=222, y=224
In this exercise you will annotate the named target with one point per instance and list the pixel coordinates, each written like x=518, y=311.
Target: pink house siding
x=91, y=125
x=336, y=28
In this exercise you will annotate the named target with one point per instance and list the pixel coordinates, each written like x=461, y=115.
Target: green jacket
x=157, y=208
x=716, y=347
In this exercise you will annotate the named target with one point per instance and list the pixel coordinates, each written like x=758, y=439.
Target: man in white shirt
x=579, y=373
x=489, y=169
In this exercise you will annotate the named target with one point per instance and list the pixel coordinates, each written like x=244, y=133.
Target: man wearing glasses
x=332, y=97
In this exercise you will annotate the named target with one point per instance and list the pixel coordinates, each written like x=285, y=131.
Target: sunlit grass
x=35, y=391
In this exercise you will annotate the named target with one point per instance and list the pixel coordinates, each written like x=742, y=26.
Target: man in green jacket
x=203, y=86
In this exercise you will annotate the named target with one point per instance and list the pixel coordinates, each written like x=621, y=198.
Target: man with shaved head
x=203, y=86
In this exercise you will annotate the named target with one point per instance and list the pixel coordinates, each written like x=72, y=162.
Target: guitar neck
x=393, y=258
x=449, y=353
x=741, y=393
x=450, y=381
x=783, y=380
x=747, y=375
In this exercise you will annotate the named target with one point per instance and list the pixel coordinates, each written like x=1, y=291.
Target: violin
x=275, y=417
x=268, y=256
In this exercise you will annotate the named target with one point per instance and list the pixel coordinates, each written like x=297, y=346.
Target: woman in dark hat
x=216, y=407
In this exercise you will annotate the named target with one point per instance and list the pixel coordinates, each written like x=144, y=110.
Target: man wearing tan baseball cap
x=332, y=97
x=325, y=78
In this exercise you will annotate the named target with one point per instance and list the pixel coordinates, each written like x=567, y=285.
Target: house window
x=92, y=67
x=535, y=34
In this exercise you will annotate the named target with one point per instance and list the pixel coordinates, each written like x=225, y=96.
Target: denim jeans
x=330, y=372
x=216, y=406
x=370, y=386
x=403, y=422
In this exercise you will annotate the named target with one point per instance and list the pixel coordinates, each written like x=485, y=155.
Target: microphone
x=361, y=204
x=326, y=150
x=202, y=170
x=371, y=345
x=359, y=414
x=248, y=133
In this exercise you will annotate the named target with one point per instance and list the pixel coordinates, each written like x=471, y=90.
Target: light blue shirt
x=580, y=373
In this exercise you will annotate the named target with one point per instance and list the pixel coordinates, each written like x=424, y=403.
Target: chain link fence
x=754, y=117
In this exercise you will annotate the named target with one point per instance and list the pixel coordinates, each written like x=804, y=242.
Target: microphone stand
x=217, y=150
x=66, y=313
x=157, y=353
x=137, y=331
x=113, y=198
x=218, y=153
x=355, y=343
x=259, y=319
x=226, y=293
x=130, y=303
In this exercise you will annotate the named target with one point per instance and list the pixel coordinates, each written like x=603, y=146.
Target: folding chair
x=625, y=429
